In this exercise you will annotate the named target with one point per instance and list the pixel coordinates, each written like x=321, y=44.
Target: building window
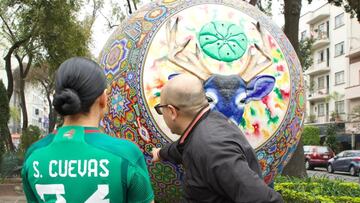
x=339, y=20
x=303, y=35
x=321, y=27
x=36, y=111
x=339, y=78
x=321, y=82
x=321, y=110
x=321, y=56
x=339, y=49
x=339, y=106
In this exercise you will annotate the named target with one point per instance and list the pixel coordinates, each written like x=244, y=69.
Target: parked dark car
x=317, y=156
x=348, y=161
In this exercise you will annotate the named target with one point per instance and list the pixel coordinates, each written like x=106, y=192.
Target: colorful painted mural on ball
x=251, y=74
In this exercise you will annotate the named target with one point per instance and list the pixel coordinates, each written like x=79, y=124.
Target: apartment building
x=352, y=90
x=333, y=80
x=36, y=104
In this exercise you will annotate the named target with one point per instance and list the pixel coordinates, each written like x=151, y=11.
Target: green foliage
x=334, y=116
x=331, y=140
x=312, y=118
x=29, y=136
x=311, y=135
x=15, y=113
x=44, y=32
x=305, y=54
x=64, y=36
x=317, y=190
x=4, y=105
x=336, y=96
x=4, y=119
x=10, y=165
x=312, y=86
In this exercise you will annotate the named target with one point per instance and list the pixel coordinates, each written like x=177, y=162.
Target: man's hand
x=156, y=154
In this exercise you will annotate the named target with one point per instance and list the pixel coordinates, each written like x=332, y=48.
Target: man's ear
x=103, y=99
x=173, y=112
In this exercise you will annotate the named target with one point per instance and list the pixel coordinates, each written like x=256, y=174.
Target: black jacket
x=220, y=165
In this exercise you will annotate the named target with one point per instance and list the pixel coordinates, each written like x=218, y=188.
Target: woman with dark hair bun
x=78, y=163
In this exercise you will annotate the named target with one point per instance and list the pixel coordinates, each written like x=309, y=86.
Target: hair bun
x=67, y=102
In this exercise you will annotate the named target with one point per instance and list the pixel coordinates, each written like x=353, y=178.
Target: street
x=321, y=172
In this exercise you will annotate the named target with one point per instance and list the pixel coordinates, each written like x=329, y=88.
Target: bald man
x=220, y=165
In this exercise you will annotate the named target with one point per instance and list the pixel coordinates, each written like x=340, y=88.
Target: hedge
x=317, y=190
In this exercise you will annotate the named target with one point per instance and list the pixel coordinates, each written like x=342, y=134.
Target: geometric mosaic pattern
x=125, y=60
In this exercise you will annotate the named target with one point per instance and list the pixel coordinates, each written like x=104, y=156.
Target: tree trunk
x=5, y=136
x=7, y=58
x=23, y=74
x=292, y=9
x=52, y=119
x=4, y=131
x=10, y=78
x=52, y=114
x=134, y=2
x=296, y=166
x=23, y=104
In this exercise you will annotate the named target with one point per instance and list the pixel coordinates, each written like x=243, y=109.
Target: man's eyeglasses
x=158, y=107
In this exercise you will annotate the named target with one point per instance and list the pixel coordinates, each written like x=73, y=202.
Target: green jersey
x=80, y=164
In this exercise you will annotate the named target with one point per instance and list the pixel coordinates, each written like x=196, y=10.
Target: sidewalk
x=11, y=191
x=12, y=199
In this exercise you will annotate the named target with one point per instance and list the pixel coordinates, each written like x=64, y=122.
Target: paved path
x=12, y=199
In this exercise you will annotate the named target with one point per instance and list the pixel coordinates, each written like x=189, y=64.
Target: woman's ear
x=103, y=99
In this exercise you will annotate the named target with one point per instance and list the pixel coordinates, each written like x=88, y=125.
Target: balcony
x=317, y=69
x=354, y=53
x=321, y=40
x=352, y=92
x=315, y=118
x=318, y=95
x=316, y=17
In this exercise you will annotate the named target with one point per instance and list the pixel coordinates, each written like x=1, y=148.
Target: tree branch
x=110, y=25
x=19, y=59
x=7, y=59
x=253, y=2
x=7, y=26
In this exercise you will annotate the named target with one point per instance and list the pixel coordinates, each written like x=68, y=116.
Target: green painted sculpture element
x=223, y=41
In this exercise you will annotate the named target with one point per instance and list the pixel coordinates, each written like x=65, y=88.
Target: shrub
x=311, y=135
x=29, y=136
x=331, y=140
x=10, y=165
x=317, y=190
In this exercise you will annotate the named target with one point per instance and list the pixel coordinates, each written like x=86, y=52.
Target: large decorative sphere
x=250, y=70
